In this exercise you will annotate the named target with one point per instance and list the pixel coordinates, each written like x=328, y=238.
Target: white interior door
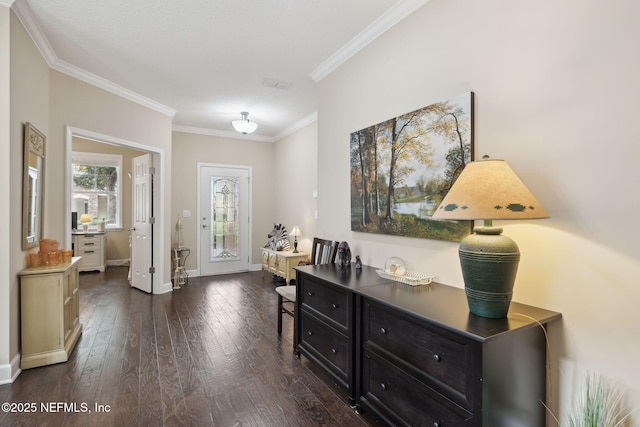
x=142, y=224
x=223, y=219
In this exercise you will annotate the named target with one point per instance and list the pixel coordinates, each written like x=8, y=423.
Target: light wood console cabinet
x=91, y=246
x=281, y=263
x=50, y=313
x=416, y=355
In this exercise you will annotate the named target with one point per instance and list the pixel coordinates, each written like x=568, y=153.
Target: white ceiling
x=205, y=61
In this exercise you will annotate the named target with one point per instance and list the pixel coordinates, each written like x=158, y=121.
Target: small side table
x=281, y=263
x=180, y=276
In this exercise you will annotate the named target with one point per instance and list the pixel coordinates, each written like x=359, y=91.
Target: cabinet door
x=42, y=322
x=282, y=266
x=273, y=263
x=74, y=303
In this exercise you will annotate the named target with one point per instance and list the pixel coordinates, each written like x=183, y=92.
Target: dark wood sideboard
x=416, y=355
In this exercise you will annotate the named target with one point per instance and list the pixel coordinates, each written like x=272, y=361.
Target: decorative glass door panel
x=224, y=218
x=223, y=204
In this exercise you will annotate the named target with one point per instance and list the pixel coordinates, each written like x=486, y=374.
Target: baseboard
x=252, y=267
x=118, y=262
x=164, y=288
x=10, y=371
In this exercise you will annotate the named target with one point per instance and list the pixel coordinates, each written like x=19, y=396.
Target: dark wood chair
x=322, y=252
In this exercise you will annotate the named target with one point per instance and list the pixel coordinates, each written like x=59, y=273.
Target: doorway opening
x=158, y=234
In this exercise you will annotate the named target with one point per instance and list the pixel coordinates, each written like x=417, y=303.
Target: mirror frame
x=34, y=144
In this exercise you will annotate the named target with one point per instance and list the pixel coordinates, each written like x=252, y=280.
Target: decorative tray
x=407, y=277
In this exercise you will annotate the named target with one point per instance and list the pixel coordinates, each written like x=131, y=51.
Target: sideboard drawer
x=398, y=396
x=326, y=342
x=328, y=301
x=443, y=361
x=89, y=257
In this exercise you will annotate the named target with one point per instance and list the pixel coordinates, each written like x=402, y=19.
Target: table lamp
x=85, y=219
x=295, y=232
x=489, y=189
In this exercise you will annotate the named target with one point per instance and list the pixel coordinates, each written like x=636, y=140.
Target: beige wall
x=52, y=101
x=296, y=172
x=117, y=241
x=191, y=149
x=556, y=89
x=284, y=177
x=29, y=101
x=82, y=106
x=6, y=221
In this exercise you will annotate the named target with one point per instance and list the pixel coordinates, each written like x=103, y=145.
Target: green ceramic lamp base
x=489, y=264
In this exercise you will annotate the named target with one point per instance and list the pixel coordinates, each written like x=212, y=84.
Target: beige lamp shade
x=489, y=189
x=84, y=218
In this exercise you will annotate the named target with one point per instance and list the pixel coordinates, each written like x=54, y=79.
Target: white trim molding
x=29, y=22
x=228, y=134
x=394, y=15
x=10, y=371
x=221, y=133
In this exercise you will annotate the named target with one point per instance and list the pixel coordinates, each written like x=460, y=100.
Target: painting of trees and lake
x=402, y=168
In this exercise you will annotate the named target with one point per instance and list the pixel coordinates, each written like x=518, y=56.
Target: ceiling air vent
x=276, y=84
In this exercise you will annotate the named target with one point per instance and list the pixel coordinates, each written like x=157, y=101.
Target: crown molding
x=297, y=126
x=26, y=17
x=378, y=27
x=220, y=133
x=236, y=135
x=31, y=26
x=94, y=80
x=6, y=3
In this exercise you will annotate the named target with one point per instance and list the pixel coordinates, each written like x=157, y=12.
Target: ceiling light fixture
x=243, y=125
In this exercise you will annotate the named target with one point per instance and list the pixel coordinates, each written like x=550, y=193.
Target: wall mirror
x=33, y=187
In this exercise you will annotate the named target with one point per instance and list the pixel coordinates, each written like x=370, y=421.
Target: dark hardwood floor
x=205, y=355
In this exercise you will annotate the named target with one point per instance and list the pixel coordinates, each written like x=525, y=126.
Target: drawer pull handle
x=334, y=350
x=383, y=386
x=309, y=333
x=88, y=252
x=334, y=306
x=310, y=293
x=89, y=244
x=383, y=331
x=437, y=358
x=436, y=424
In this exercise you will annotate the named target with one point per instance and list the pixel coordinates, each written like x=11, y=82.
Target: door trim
x=201, y=165
x=159, y=259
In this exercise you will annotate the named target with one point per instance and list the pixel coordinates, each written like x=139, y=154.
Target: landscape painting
x=402, y=168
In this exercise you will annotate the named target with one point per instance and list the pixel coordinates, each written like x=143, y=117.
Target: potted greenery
x=599, y=404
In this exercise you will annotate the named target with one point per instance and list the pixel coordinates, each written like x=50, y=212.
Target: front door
x=142, y=224
x=223, y=219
